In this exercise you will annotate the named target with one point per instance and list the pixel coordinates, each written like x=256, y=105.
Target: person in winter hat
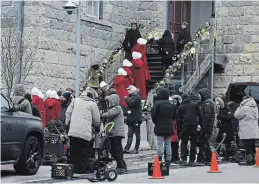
x=140, y=47
x=225, y=124
x=188, y=120
x=120, y=84
x=52, y=106
x=37, y=100
x=81, y=116
x=134, y=118
x=163, y=113
x=35, y=110
x=115, y=114
x=177, y=100
x=104, y=91
x=21, y=103
x=138, y=74
x=126, y=64
x=65, y=102
x=247, y=114
x=207, y=123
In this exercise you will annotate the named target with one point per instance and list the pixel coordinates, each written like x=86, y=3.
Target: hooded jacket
x=207, y=112
x=163, y=113
x=141, y=48
x=37, y=100
x=120, y=85
x=225, y=120
x=166, y=44
x=247, y=114
x=134, y=111
x=138, y=74
x=188, y=114
x=20, y=103
x=52, y=107
x=81, y=115
x=126, y=66
x=115, y=115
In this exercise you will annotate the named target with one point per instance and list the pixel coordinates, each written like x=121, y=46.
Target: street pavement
x=137, y=173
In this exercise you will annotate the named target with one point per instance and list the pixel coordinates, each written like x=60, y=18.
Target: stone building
x=103, y=27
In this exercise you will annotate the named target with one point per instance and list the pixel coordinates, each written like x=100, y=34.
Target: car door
x=12, y=131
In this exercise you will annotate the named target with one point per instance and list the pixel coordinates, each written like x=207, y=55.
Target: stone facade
x=54, y=32
x=237, y=42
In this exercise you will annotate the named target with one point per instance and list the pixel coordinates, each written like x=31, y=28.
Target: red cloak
x=139, y=77
x=142, y=50
x=174, y=138
x=39, y=103
x=52, y=109
x=120, y=85
x=129, y=76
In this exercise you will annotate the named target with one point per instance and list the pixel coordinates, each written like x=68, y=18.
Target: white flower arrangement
x=156, y=35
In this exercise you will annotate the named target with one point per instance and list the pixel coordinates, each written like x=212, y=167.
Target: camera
x=70, y=7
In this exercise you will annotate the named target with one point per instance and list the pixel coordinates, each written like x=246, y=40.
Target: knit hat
x=131, y=89
x=102, y=84
x=67, y=95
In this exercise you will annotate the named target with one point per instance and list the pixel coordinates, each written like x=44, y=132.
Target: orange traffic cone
x=214, y=164
x=257, y=159
x=156, y=169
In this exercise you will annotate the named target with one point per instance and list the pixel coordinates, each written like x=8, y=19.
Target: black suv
x=22, y=139
x=236, y=91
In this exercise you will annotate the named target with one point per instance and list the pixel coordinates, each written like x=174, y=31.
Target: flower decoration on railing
x=154, y=35
x=203, y=34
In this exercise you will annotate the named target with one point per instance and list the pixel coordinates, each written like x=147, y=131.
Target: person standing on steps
x=134, y=118
x=183, y=38
x=166, y=45
x=247, y=114
x=163, y=113
x=130, y=40
x=126, y=64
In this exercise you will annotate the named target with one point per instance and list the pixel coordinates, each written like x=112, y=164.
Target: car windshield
x=237, y=92
x=4, y=103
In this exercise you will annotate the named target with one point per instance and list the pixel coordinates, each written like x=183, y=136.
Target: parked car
x=22, y=139
x=236, y=91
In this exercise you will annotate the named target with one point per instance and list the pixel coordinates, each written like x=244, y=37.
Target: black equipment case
x=163, y=166
x=62, y=171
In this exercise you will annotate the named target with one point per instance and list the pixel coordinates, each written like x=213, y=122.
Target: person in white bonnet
x=134, y=118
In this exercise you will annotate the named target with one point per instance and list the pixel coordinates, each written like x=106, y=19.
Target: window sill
x=96, y=21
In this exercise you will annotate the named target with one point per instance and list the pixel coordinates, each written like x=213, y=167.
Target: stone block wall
x=53, y=32
x=237, y=42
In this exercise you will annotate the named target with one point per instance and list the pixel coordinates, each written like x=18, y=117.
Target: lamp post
x=70, y=7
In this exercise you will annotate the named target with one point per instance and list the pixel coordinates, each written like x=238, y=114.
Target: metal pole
x=211, y=72
x=20, y=33
x=77, y=74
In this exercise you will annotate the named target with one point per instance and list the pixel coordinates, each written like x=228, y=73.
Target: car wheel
x=30, y=160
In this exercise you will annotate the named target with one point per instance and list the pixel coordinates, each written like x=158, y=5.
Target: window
x=93, y=8
x=237, y=92
x=4, y=103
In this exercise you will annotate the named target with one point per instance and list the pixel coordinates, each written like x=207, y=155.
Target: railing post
x=197, y=59
x=211, y=71
x=182, y=76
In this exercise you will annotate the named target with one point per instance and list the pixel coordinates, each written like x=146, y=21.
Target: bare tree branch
x=12, y=52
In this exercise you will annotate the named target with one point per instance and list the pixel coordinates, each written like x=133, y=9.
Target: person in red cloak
x=52, y=106
x=120, y=85
x=138, y=74
x=126, y=66
x=37, y=100
x=140, y=47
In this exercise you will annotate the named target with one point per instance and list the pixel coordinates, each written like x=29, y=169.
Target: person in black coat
x=134, y=117
x=183, y=38
x=225, y=124
x=35, y=110
x=163, y=113
x=130, y=40
x=166, y=45
x=187, y=119
x=207, y=122
x=66, y=100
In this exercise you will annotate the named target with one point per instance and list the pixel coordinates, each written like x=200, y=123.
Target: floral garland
x=154, y=35
x=202, y=34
